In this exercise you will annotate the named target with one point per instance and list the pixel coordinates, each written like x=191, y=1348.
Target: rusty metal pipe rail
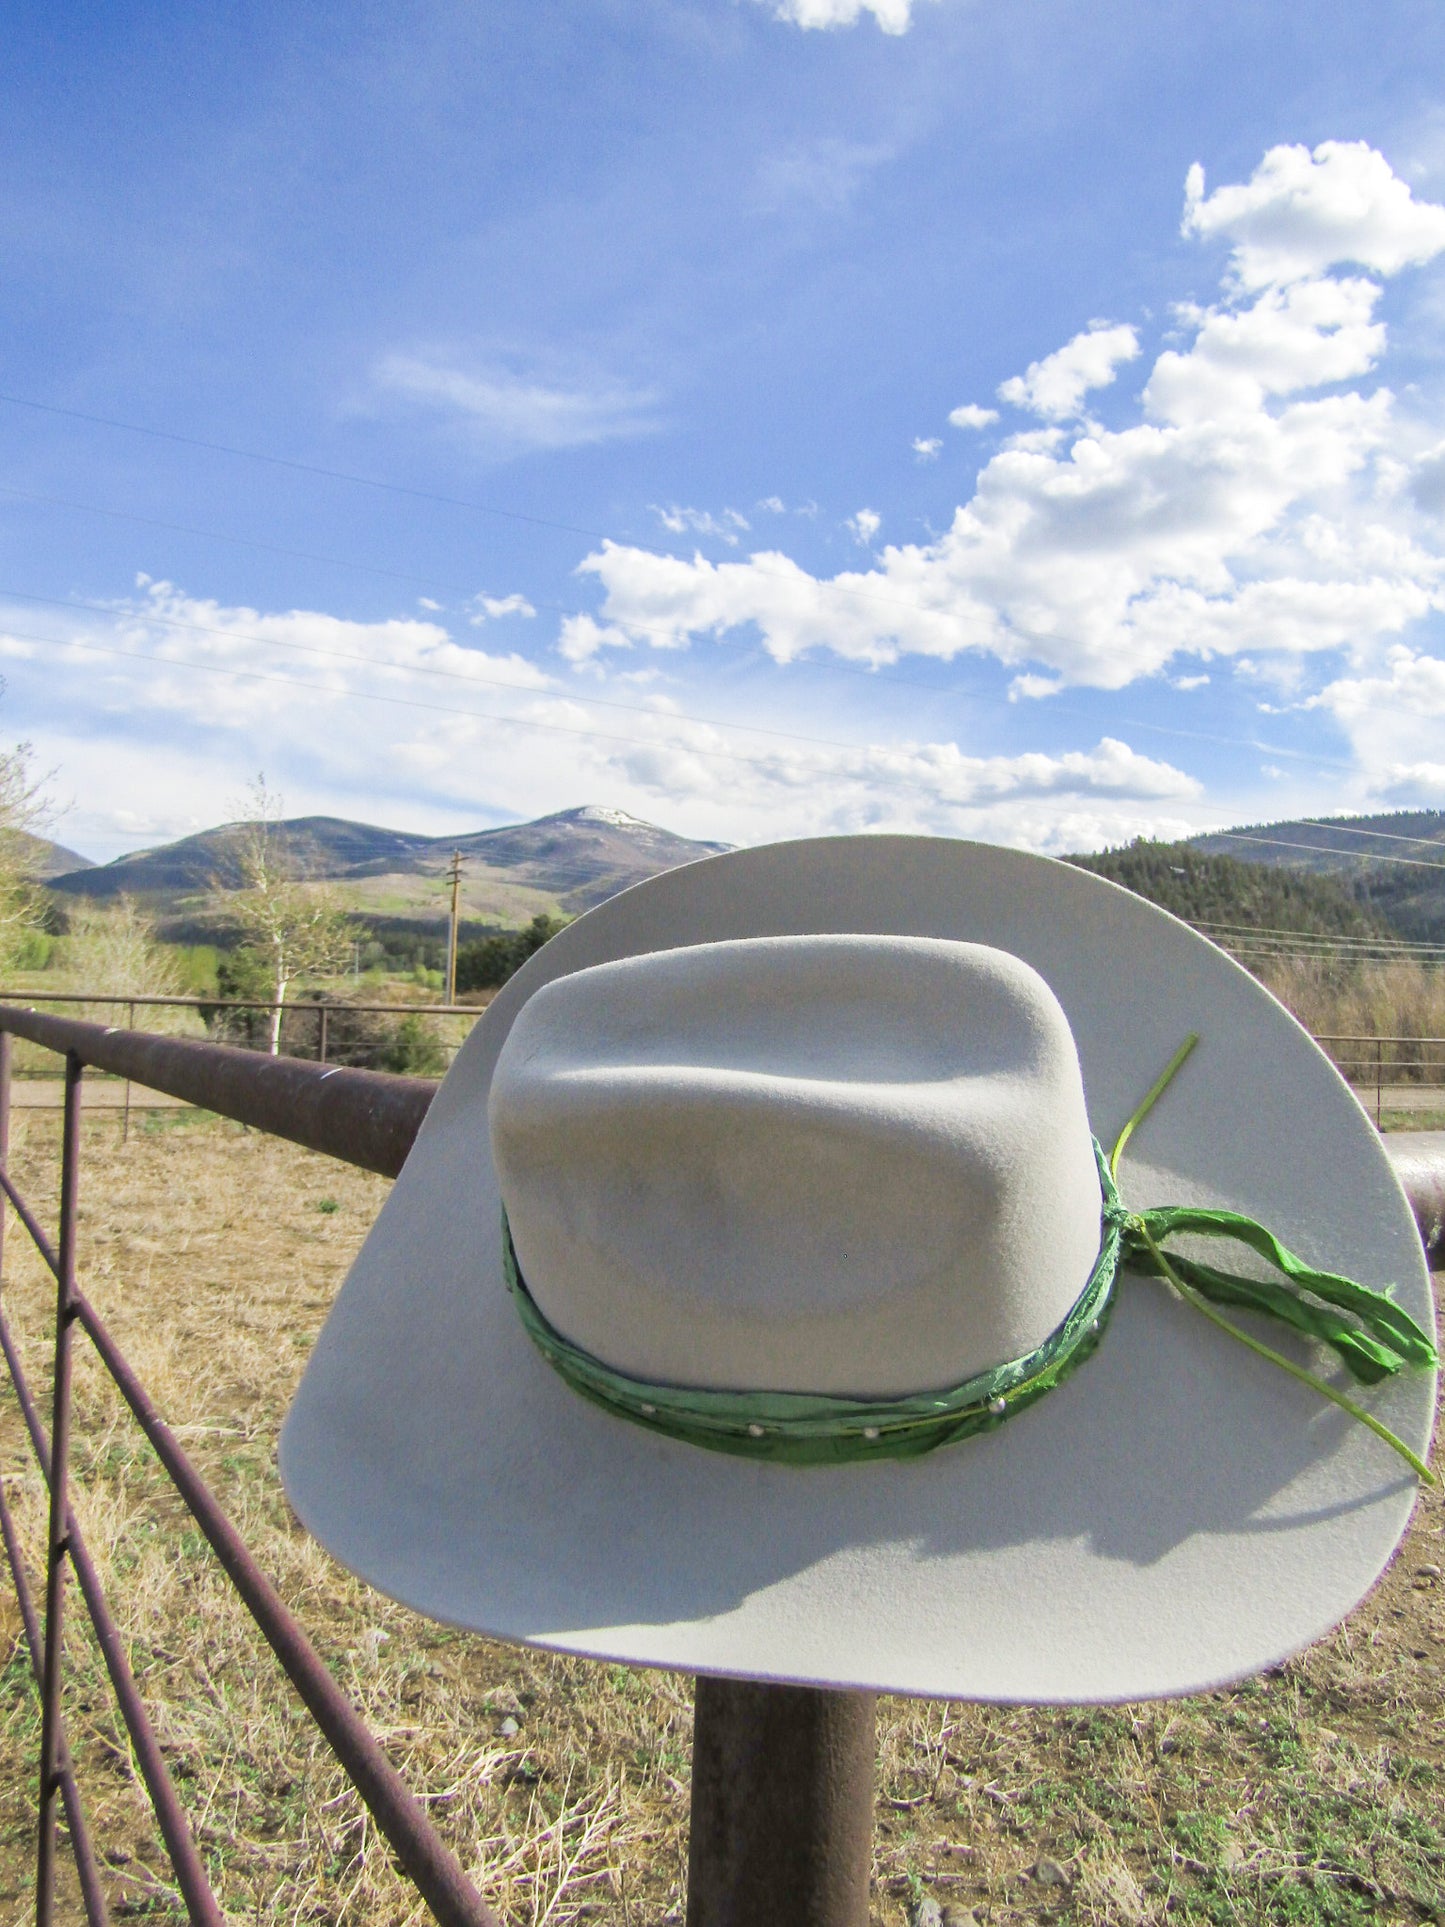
x=368, y=1118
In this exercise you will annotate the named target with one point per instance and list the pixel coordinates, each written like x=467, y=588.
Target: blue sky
x=767, y=418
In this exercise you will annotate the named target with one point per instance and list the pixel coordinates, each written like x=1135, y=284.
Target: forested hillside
x=1393, y=862
x=1208, y=889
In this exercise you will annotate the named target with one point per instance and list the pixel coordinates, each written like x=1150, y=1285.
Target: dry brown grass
x=1402, y=999
x=1310, y=1795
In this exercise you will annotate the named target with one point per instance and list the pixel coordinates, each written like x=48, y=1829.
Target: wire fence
x=316, y=1020
x=413, y=1039
x=1393, y=1074
x=1404, y=1073
x=1264, y=941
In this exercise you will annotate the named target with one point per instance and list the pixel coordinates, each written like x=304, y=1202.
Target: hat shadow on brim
x=1176, y=1514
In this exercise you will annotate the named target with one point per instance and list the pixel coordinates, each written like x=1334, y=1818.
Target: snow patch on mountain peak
x=599, y=813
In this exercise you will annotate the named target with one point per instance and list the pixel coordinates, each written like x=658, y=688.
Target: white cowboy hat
x=788, y=1199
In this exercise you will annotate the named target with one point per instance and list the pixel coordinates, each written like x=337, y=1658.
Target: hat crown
x=850, y=1165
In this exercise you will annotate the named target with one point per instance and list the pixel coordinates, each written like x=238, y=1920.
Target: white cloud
x=1057, y=803
x=1030, y=688
x=1056, y=386
x=969, y=414
x=491, y=608
x=1037, y=799
x=438, y=756
x=865, y=525
x=927, y=447
x=893, y=16
x=1393, y=716
x=158, y=708
x=1243, y=514
x=681, y=521
x=773, y=505
x=1416, y=784
x=516, y=413
x=1428, y=483
x=825, y=173
x=1037, y=441
x=580, y=639
x=1300, y=214
x=1289, y=340
x=162, y=632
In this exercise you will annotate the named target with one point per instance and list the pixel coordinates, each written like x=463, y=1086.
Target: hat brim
x=1178, y=1514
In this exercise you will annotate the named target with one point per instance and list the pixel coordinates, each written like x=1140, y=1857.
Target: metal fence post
x=6, y=1048
x=125, y=1120
x=58, y=1541
x=782, y=1806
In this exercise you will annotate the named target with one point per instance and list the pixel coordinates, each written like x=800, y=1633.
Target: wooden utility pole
x=456, y=875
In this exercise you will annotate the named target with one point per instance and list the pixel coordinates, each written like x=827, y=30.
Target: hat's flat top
x=1177, y=1514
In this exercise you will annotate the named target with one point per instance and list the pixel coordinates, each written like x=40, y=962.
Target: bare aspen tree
x=112, y=948
x=295, y=925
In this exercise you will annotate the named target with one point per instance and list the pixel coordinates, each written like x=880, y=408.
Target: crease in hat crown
x=847, y=1165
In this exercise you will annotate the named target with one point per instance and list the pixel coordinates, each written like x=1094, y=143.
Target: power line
x=1310, y=940
x=1282, y=930
x=1303, y=947
x=1279, y=930
x=1325, y=952
x=431, y=495
x=816, y=664
x=239, y=541
x=304, y=468
x=827, y=665
x=1352, y=829
x=407, y=702
x=823, y=585
x=1314, y=849
x=1404, y=945
x=1329, y=939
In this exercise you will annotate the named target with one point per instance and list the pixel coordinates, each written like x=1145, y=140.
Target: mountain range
x=43, y=859
x=558, y=865
x=1392, y=866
